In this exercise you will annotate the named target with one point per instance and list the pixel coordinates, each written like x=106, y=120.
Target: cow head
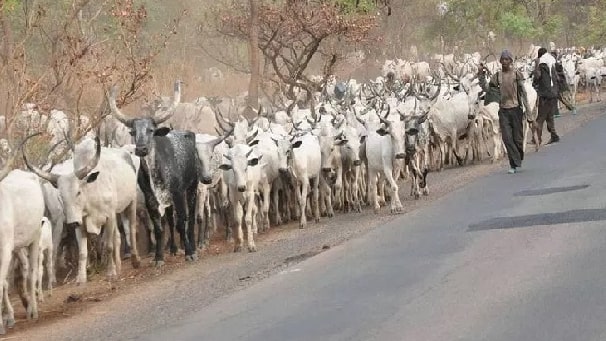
x=413, y=125
x=73, y=187
x=205, y=151
x=350, y=148
x=394, y=130
x=144, y=129
x=239, y=159
x=284, y=152
x=329, y=149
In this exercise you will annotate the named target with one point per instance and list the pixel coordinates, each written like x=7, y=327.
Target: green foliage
x=518, y=25
x=357, y=6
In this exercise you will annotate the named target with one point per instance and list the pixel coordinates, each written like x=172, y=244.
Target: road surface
x=507, y=257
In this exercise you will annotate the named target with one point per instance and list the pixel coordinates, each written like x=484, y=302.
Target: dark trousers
x=510, y=121
x=548, y=107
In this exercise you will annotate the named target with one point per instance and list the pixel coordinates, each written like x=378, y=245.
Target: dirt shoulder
x=148, y=298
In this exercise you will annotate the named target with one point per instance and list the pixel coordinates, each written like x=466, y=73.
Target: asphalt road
x=507, y=257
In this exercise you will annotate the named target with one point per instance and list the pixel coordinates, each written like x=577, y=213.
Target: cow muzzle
x=357, y=162
x=141, y=151
x=241, y=189
x=400, y=156
x=283, y=171
x=471, y=116
x=72, y=226
x=207, y=180
x=326, y=169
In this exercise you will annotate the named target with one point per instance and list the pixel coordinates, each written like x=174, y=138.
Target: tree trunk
x=253, y=55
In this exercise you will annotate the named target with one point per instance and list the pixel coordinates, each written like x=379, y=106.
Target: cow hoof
x=191, y=258
x=201, y=246
x=173, y=252
x=127, y=256
x=238, y=248
x=252, y=248
x=136, y=263
x=158, y=263
x=302, y=225
x=10, y=323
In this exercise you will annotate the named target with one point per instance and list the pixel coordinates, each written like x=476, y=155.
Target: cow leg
x=112, y=247
x=276, y=204
x=129, y=220
x=180, y=210
x=316, y=198
x=265, y=208
x=34, y=255
x=248, y=220
x=327, y=195
x=82, y=238
x=9, y=318
x=170, y=219
x=125, y=234
x=396, y=205
x=192, y=204
x=238, y=214
x=372, y=190
x=303, y=202
x=57, y=236
x=50, y=270
x=38, y=294
x=203, y=195
x=5, y=260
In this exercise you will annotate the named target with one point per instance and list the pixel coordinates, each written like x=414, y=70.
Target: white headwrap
x=548, y=59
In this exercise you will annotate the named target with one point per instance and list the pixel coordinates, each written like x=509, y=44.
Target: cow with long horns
x=168, y=175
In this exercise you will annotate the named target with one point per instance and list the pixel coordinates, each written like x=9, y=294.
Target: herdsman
x=507, y=88
x=545, y=80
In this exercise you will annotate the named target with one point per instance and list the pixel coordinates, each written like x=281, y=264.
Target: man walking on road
x=545, y=80
x=506, y=87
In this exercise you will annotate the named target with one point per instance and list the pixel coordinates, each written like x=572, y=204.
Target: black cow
x=168, y=175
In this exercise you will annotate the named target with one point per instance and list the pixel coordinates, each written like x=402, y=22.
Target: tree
x=63, y=54
x=293, y=33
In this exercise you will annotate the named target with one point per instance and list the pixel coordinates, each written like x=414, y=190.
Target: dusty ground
x=149, y=298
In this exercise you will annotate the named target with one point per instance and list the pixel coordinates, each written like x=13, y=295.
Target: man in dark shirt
x=507, y=87
x=545, y=80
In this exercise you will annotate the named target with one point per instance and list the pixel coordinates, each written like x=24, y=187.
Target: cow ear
x=382, y=132
x=162, y=131
x=225, y=167
x=297, y=144
x=92, y=177
x=412, y=131
x=340, y=142
x=252, y=143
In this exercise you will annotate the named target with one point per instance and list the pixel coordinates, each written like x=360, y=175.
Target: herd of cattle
x=185, y=165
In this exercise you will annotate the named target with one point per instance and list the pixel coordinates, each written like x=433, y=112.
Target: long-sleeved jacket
x=493, y=89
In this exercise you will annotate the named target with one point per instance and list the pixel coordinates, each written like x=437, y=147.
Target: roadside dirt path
x=148, y=298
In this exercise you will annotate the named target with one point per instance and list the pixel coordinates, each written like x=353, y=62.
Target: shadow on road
x=567, y=217
x=551, y=190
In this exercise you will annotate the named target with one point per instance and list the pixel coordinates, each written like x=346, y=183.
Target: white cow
x=21, y=211
x=384, y=145
x=242, y=173
x=306, y=165
x=92, y=199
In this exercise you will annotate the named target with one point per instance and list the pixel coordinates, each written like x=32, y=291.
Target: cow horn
x=111, y=99
x=48, y=176
x=435, y=95
x=249, y=152
x=252, y=137
x=173, y=105
x=82, y=172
